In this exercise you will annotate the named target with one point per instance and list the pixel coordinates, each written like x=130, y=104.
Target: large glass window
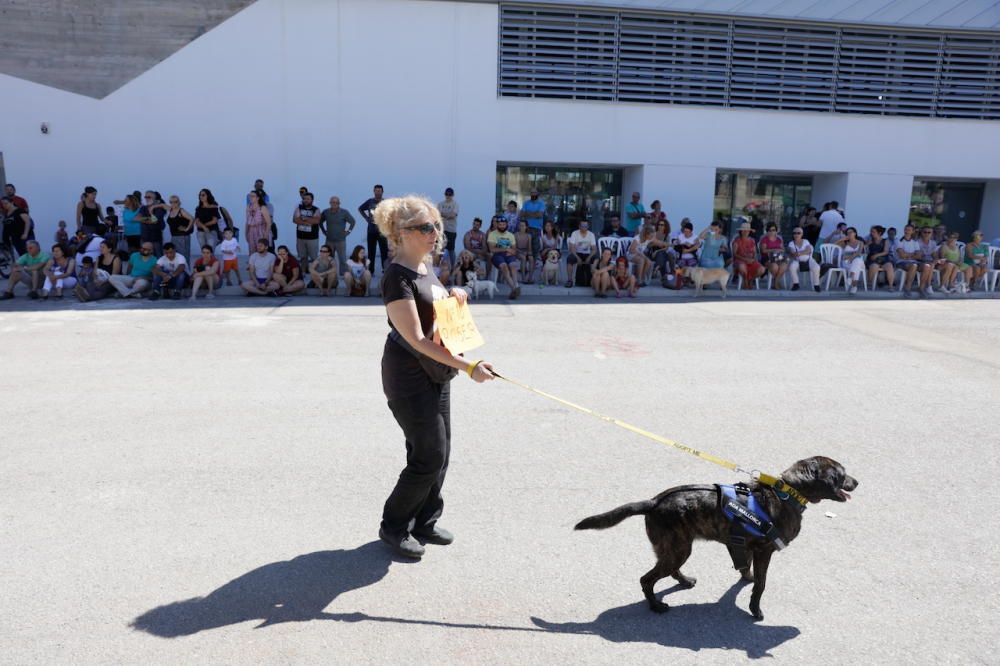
x=760, y=198
x=956, y=205
x=568, y=191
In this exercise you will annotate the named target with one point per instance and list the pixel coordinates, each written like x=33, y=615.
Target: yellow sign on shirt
x=454, y=323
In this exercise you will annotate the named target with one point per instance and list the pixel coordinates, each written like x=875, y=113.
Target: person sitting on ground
x=206, y=271
x=800, y=253
x=86, y=245
x=503, y=247
x=522, y=240
x=639, y=253
x=92, y=283
x=60, y=273
x=622, y=280
x=600, y=272
x=772, y=254
x=953, y=264
x=878, y=259
x=323, y=272
x=474, y=241
x=466, y=264
x=229, y=248
x=615, y=229
x=139, y=274
x=582, y=245
x=286, y=279
x=29, y=270
x=108, y=261
x=260, y=268
x=358, y=278
x=441, y=264
x=929, y=259
x=745, y=256
x=837, y=234
x=169, y=274
x=852, y=258
x=977, y=255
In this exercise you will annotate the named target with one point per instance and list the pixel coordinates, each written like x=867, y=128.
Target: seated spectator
x=929, y=260
x=107, y=260
x=323, y=271
x=662, y=253
x=441, y=264
x=953, y=264
x=169, y=274
x=86, y=245
x=208, y=271
x=139, y=274
x=260, y=269
x=837, y=234
x=474, y=241
x=908, y=258
x=639, y=253
x=601, y=267
x=878, y=259
x=29, y=269
x=977, y=255
x=357, y=278
x=940, y=234
x=891, y=243
x=615, y=229
x=550, y=238
x=111, y=219
x=712, y=243
x=503, y=247
x=622, y=280
x=745, y=256
x=582, y=246
x=59, y=273
x=772, y=254
x=852, y=257
x=92, y=283
x=512, y=216
x=800, y=252
x=287, y=277
x=525, y=258
x=686, y=245
x=466, y=264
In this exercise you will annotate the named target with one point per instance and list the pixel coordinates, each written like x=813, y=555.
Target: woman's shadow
x=295, y=590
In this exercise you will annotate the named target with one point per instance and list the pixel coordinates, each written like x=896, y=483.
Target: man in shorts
x=28, y=270
x=260, y=269
x=503, y=249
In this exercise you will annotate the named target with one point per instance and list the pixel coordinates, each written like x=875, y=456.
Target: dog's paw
x=686, y=581
x=658, y=607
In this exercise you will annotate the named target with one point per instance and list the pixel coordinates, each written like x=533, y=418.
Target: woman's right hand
x=483, y=372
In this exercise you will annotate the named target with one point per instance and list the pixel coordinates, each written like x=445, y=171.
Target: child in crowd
x=623, y=281
x=229, y=248
x=357, y=278
x=62, y=237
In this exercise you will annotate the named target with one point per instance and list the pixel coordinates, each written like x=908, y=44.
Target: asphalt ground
x=203, y=484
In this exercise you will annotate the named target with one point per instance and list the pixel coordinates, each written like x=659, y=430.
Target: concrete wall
x=340, y=94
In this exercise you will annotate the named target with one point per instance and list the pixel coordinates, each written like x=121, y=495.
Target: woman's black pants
x=416, y=500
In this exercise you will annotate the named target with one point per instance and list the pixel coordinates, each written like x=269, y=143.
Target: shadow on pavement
x=296, y=590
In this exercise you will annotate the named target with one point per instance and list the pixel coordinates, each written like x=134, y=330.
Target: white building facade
x=493, y=99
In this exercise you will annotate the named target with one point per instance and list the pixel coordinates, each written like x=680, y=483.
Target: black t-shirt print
x=307, y=231
x=401, y=372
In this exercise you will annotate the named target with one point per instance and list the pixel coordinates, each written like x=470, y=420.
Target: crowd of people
x=127, y=256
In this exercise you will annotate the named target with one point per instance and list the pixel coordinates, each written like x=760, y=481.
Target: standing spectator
x=131, y=226
x=908, y=258
x=111, y=220
x=616, y=230
x=206, y=271
x=258, y=221
x=29, y=269
x=262, y=198
x=16, y=225
x=108, y=261
x=357, y=278
x=929, y=260
x=635, y=214
x=656, y=216
x=878, y=259
x=152, y=218
x=323, y=271
x=852, y=257
x=60, y=273
x=19, y=202
x=800, y=253
x=475, y=242
x=88, y=213
x=61, y=236
x=810, y=225
x=745, y=256
x=830, y=219
x=837, y=235
x=169, y=274
x=524, y=256
x=367, y=210
x=582, y=246
x=260, y=269
x=337, y=225
x=287, y=277
x=952, y=264
x=503, y=248
x=448, y=208
x=92, y=283
x=533, y=211
x=977, y=255
x=307, y=220
x=207, y=217
x=601, y=267
x=139, y=275
x=181, y=225
x=229, y=248
x=772, y=254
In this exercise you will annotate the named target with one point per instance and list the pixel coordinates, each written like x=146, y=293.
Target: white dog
x=479, y=286
x=550, y=269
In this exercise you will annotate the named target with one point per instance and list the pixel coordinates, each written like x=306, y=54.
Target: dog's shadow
x=718, y=625
x=295, y=590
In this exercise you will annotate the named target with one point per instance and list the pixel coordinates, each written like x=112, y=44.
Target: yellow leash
x=766, y=479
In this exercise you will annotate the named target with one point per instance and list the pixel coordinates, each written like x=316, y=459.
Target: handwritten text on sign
x=454, y=322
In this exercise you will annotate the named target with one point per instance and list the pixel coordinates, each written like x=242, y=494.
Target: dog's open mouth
x=843, y=495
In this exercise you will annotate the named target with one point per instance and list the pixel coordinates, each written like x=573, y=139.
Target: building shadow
x=295, y=590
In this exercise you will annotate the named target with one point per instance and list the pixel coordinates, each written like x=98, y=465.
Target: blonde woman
x=413, y=377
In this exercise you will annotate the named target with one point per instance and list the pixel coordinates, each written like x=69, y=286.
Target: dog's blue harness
x=747, y=519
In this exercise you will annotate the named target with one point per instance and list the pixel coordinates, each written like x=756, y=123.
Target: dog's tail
x=605, y=520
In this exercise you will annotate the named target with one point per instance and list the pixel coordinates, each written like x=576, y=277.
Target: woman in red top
x=206, y=270
x=772, y=252
x=745, y=256
x=287, y=277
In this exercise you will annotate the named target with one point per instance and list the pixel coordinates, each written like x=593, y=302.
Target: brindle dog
x=678, y=516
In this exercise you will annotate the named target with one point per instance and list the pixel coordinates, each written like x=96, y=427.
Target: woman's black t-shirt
x=401, y=373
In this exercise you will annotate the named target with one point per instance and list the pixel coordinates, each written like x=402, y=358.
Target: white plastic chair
x=830, y=254
x=990, y=276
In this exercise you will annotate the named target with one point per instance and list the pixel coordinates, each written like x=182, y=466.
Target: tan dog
x=550, y=269
x=702, y=276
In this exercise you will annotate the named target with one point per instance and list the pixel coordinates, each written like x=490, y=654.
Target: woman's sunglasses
x=426, y=229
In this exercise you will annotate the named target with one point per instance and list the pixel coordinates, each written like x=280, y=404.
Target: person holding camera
x=772, y=254
x=416, y=371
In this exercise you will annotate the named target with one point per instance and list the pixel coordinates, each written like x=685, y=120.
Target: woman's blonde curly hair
x=393, y=214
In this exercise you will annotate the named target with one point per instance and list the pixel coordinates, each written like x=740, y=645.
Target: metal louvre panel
x=672, y=58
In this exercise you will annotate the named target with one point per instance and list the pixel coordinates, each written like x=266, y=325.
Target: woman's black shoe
x=402, y=544
x=435, y=535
